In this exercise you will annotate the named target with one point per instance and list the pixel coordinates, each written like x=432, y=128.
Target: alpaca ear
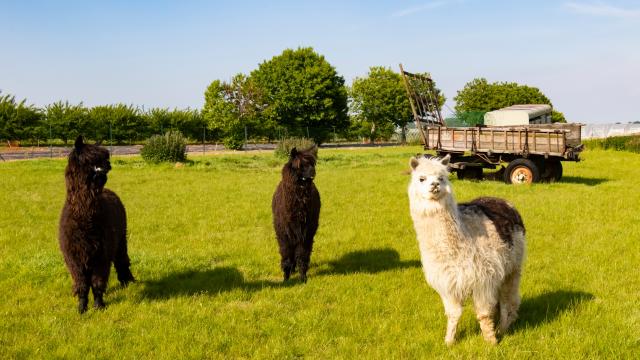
x=99, y=142
x=79, y=144
x=293, y=153
x=414, y=162
x=314, y=151
x=445, y=160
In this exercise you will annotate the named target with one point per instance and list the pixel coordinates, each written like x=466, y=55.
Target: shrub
x=618, y=143
x=285, y=145
x=233, y=142
x=170, y=147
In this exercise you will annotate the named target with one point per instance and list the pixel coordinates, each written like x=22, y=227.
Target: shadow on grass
x=547, y=307
x=368, y=261
x=498, y=177
x=208, y=282
x=582, y=180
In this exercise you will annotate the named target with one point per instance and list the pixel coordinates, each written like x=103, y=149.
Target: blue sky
x=584, y=55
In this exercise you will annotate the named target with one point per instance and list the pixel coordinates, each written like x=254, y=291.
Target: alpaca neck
x=81, y=197
x=439, y=222
x=290, y=180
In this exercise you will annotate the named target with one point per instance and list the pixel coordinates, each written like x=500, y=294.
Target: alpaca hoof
x=82, y=305
x=98, y=305
x=449, y=341
x=491, y=340
x=125, y=283
x=303, y=278
x=126, y=279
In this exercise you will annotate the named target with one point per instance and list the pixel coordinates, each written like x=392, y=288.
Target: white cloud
x=602, y=9
x=417, y=9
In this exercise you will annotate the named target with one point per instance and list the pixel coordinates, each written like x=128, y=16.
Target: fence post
x=204, y=136
x=245, y=137
x=110, y=140
x=50, y=136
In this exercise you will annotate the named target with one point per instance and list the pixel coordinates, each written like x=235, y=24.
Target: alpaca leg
x=122, y=264
x=303, y=256
x=287, y=263
x=81, y=286
x=99, y=282
x=453, y=311
x=485, y=312
x=509, y=301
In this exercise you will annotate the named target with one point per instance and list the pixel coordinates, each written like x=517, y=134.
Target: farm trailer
x=532, y=153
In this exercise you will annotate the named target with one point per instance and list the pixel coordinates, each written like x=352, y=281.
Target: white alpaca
x=474, y=249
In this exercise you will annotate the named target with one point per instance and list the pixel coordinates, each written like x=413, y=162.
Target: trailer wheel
x=556, y=169
x=551, y=170
x=521, y=171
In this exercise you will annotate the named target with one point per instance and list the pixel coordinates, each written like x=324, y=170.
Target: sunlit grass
x=204, y=252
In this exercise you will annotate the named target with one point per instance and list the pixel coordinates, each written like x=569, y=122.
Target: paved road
x=57, y=152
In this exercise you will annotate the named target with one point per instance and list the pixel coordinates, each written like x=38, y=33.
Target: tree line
x=119, y=123
x=295, y=94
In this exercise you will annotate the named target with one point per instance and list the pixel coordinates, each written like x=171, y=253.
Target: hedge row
x=120, y=123
x=619, y=143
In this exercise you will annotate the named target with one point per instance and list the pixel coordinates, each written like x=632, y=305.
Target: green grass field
x=209, y=284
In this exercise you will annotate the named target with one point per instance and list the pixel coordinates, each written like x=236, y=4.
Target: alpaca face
x=430, y=178
x=303, y=164
x=90, y=162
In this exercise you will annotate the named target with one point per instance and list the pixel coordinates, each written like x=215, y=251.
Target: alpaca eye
x=441, y=178
x=422, y=178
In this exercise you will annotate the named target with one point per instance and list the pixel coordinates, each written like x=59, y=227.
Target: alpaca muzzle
x=100, y=175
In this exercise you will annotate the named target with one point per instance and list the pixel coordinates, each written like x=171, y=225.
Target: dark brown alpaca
x=93, y=225
x=296, y=209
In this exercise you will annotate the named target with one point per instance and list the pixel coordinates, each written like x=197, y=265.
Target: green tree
x=379, y=103
x=303, y=93
x=68, y=121
x=480, y=95
x=189, y=122
x=230, y=107
x=158, y=120
x=19, y=121
x=126, y=123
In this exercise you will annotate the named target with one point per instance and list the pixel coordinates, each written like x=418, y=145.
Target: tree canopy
x=230, y=107
x=68, y=121
x=379, y=103
x=479, y=95
x=18, y=120
x=303, y=93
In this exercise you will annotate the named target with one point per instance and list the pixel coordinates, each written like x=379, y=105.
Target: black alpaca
x=296, y=209
x=93, y=225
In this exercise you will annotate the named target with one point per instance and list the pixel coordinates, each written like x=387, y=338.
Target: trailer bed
x=557, y=140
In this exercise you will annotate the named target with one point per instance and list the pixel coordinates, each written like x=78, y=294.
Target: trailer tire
x=556, y=170
x=550, y=170
x=521, y=171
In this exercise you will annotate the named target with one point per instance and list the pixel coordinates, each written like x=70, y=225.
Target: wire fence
x=211, y=142
x=254, y=140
